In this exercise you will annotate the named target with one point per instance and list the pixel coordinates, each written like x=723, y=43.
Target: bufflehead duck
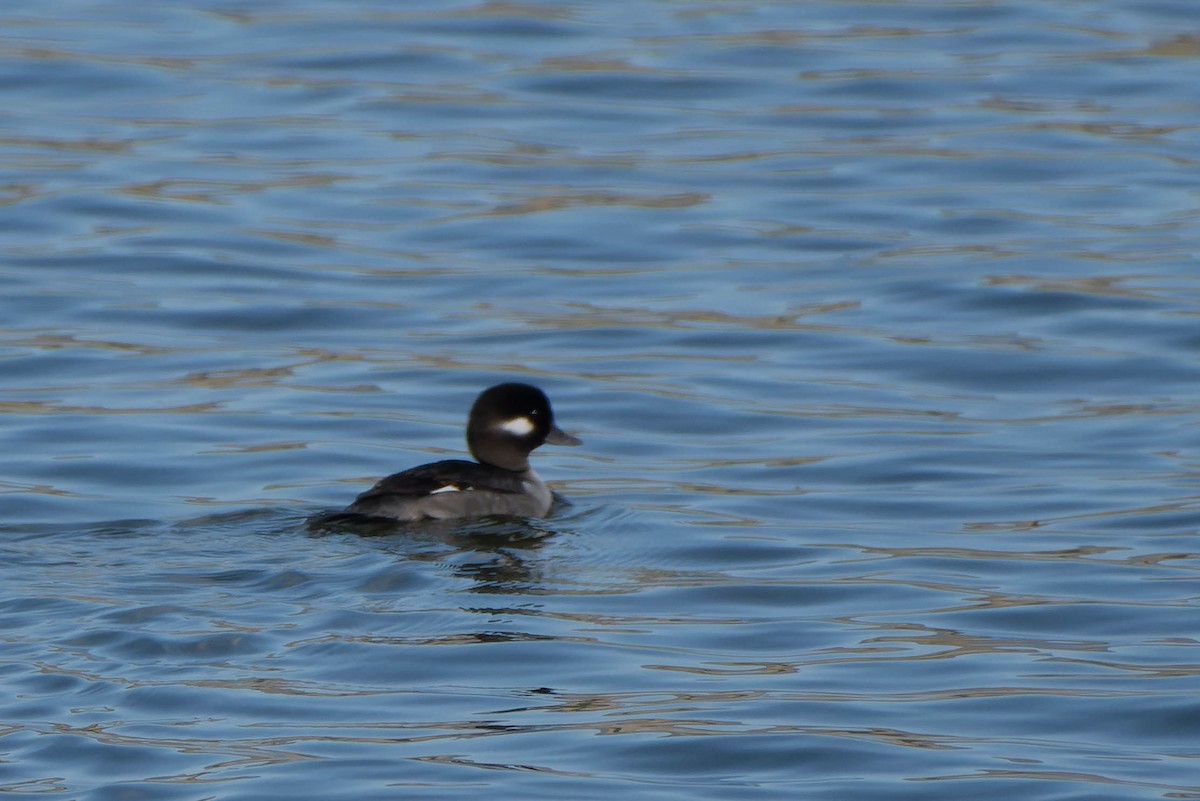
x=506, y=422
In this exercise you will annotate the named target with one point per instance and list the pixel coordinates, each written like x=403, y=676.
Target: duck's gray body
x=455, y=488
x=506, y=423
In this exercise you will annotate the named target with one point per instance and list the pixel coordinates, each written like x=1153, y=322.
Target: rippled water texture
x=880, y=323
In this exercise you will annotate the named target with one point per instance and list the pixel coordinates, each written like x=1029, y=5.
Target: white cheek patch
x=520, y=426
x=447, y=488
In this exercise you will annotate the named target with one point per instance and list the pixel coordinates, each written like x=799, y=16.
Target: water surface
x=879, y=322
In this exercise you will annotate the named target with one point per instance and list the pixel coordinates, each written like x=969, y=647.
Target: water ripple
x=880, y=337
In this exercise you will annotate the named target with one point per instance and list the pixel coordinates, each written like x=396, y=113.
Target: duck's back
x=454, y=488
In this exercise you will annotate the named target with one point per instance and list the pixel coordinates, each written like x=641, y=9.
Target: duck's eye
x=520, y=426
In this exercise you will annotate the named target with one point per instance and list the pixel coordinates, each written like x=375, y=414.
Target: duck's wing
x=451, y=475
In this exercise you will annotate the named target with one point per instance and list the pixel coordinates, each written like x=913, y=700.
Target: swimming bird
x=505, y=424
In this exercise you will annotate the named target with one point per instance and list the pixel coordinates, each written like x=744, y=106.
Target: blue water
x=880, y=323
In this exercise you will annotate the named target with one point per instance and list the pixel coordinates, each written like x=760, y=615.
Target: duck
x=506, y=423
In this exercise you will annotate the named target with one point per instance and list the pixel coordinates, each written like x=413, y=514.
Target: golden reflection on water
x=1049, y=774
x=1189, y=504
x=1101, y=286
x=50, y=407
x=557, y=202
x=18, y=488
x=1184, y=44
x=260, y=447
x=588, y=315
x=55, y=341
x=213, y=191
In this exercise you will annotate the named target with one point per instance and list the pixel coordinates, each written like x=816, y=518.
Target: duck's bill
x=559, y=437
